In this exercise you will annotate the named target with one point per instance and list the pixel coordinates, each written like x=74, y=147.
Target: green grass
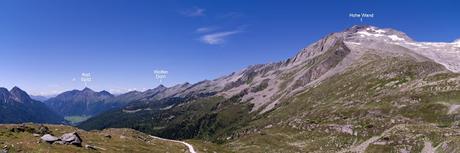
x=369, y=96
x=122, y=140
x=76, y=119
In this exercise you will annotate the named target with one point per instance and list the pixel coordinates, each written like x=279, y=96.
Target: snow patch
x=369, y=34
x=353, y=43
x=395, y=38
x=380, y=31
x=456, y=43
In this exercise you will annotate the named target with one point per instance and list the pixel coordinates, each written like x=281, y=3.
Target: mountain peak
x=86, y=89
x=105, y=93
x=160, y=87
x=372, y=32
x=20, y=95
x=357, y=28
x=16, y=89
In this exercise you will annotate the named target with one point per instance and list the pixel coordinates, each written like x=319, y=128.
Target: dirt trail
x=189, y=146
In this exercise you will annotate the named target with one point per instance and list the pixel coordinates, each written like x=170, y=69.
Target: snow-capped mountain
x=359, y=87
x=265, y=85
x=321, y=60
x=445, y=53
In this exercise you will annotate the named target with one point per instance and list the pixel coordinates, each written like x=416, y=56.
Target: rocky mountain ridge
x=268, y=84
x=80, y=102
x=351, y=86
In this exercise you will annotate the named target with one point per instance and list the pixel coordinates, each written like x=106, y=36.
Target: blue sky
x=45, y=45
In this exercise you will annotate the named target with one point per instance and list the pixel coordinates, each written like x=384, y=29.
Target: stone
x=49, y=138
x=71, y=138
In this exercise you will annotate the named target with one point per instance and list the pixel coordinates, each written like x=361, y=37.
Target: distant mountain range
x=87, y=102
x=39, y=98
x=81, y=102
x=16, y=106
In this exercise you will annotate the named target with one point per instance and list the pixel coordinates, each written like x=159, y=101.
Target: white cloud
x=205, y=29
x=194, y=12
x=217, y=38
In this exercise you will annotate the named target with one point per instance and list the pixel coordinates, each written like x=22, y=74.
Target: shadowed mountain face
x=84, y=102
x=350, y=87
x=16, y=106
x=88, y=102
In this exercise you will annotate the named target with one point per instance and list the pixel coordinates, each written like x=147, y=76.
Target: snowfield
x=444, y=53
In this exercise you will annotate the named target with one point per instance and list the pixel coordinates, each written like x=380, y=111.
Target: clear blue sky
x=45, y=45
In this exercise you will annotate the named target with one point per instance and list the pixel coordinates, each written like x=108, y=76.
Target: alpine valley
x=365, y=89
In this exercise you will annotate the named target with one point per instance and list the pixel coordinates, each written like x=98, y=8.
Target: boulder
x=71, y=138
x=49, y=138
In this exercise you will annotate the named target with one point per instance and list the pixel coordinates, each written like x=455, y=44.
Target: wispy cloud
x=232, y=15
x=194, y=12
x=205, y=29
x=218, y=37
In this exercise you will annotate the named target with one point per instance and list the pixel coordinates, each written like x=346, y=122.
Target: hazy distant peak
x=20, y=95
x=158, y=88
x=105, y=93
x=86, y=89
x=161, y=86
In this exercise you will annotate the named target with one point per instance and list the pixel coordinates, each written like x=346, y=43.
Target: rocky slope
x=16, y=106
x=349, y=91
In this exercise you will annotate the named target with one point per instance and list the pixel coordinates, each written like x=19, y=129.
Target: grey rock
x=49, y=138
x=71, y=138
